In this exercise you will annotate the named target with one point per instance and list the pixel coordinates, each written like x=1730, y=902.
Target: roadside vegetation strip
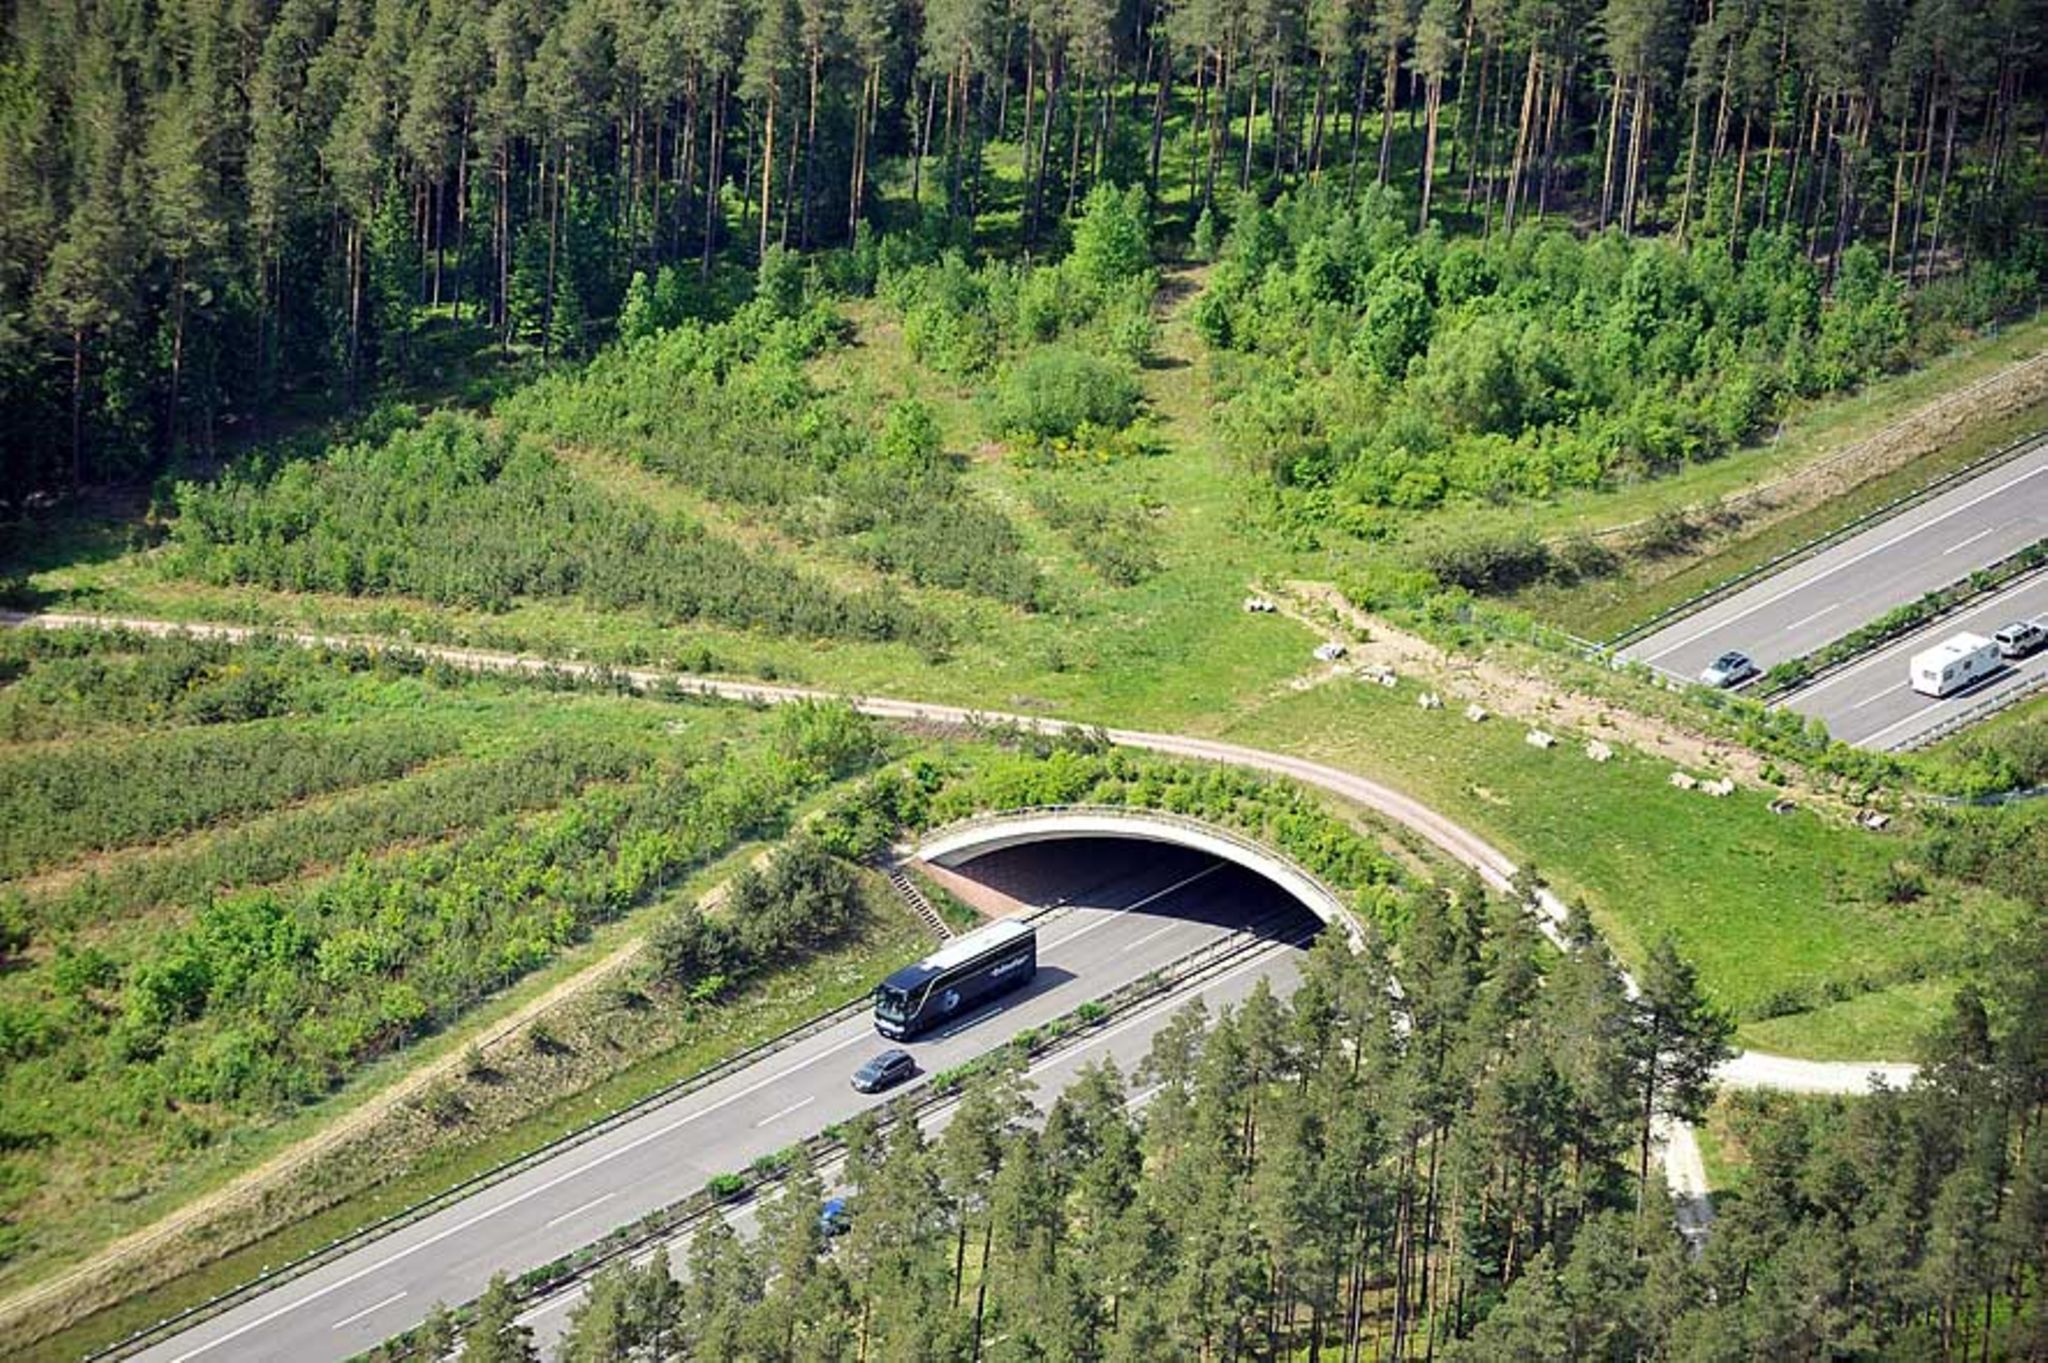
x=409, y=1215
x=337, y=973
x=917, y=1103
x=154, y=1062
x=1779, y=562
x=1961, y=397
x=1465, y=847
x=823, y=822
x=1790, y=677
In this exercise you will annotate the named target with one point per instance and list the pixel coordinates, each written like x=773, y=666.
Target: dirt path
x=70, y=1294
x=56, y=1296
x=1460, y=843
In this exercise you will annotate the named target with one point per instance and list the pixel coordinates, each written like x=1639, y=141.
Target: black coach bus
x=963, y=973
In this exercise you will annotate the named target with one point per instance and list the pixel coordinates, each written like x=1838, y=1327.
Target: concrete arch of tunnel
x=958, y=843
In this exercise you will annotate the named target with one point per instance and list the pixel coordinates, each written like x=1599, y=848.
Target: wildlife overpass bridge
x=958, y=843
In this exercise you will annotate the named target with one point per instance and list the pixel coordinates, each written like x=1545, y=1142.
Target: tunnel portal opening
x=1136, y=895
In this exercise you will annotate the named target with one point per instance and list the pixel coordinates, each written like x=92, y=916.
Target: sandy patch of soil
x=1514, y=693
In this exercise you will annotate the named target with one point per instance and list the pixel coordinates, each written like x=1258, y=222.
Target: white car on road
x=1730, y=669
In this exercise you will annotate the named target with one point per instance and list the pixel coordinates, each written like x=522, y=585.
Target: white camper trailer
x=1953, y=664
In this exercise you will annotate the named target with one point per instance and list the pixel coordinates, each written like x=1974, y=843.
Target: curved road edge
x=1752, y=1069
x=1747, y=1069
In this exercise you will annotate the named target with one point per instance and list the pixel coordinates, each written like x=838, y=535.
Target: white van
x=1953, y=664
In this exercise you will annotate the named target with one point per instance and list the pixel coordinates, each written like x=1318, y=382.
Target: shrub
x=1116, y=541
x=1546, y=361
x=14, y=931
x=1901, y=883
x=1670, y=531
x=1582, y=557
x=910, y=437
x=1055, y=391
x=1112, y=246
x=805, y=899
x=1488, y=561
x=463, y=516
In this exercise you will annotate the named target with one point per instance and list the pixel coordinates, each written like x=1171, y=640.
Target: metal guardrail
x=922, y=1100
x=682, y=1088
x=2003, y=797
x=2022, y=575
x=1730, y=585
x=1983, y=709
x=498, y=1173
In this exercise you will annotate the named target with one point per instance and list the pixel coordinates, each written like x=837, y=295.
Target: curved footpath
x=1750, y=1069
x=1687, y=1176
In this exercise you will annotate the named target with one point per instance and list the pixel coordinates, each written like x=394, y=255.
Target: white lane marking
x=367, y=1310
x=1151, y=936
x=1809, y=619
x=1919, y=717
x=630, y=1146
x=778, y=1116
x=571, y=1216
x=2009, y=602
x=1115, y=914
x=859, y=1039
x=1873, y=698
x=1174, y=1001
x=1884, y=654
x=1964, y=544
x=1922, y=716
x=1849, y=562
x=1136, y=1100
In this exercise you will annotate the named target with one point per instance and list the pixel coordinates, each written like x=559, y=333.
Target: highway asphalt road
x=1125, y=1043
x=1133, y=908
x=1871, y=704
x=1790, y=614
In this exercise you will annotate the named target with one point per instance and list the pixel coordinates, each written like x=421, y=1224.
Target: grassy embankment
x=1756, y=902
x=1784, y=915
x=637, y=1059
x=1604, y=607
x=225, y=957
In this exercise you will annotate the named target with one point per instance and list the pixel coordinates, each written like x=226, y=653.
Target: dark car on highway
x=886, y=1070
